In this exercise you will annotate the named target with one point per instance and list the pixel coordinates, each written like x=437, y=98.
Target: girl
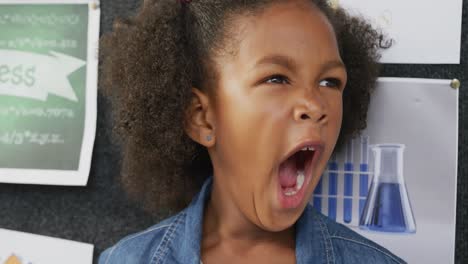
x=246, y=99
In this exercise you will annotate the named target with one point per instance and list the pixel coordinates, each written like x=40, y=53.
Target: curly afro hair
x=151, y=61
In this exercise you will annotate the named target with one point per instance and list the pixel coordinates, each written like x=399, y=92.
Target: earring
x=209, y=138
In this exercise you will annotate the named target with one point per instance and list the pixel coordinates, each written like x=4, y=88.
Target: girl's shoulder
x=140, y=247
x=348, y=246
x=174, y=240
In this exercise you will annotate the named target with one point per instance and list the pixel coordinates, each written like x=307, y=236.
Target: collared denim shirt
x=177, y=240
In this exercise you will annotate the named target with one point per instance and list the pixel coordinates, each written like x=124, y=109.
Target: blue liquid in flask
x=388, y=214
x=388, y=208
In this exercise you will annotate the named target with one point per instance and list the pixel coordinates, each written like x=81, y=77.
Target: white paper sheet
x=422, y=115
x=424, y=31
x=35, y=249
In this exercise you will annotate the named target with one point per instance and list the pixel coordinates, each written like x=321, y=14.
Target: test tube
x=348, y=183
x=332, y=187
x=317, y=201
x=364, y=175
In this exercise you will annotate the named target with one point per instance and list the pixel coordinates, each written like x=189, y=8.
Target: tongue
x=288, y=173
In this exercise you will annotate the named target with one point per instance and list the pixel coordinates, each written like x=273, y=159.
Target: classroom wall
x=100, y=214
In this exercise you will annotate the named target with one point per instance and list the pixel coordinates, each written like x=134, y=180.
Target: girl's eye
x=331, y=82
x=277, y=79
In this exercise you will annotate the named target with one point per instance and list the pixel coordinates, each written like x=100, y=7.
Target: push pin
x=95, y=5
x=13, y=260
x=455, y=84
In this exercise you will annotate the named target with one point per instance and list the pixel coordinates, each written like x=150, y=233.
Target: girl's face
x=279, y=92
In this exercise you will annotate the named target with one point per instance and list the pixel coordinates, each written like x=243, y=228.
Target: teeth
x=299, y=183
x=308, y=149
x=300, y=180
x=290, y=192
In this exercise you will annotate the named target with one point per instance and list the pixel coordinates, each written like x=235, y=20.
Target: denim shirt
x=177, y=240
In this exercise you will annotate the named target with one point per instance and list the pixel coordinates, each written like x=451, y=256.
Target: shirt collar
x=313, y=242
x=186, y=247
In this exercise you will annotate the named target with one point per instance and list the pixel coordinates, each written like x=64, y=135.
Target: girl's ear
x=199, y=124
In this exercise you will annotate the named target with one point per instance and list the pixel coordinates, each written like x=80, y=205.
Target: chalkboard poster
x=48, y=83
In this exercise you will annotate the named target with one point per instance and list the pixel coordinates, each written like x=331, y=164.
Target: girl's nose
x=311, y=109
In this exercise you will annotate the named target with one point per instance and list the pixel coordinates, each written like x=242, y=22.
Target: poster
x=421, y=31
x=396, y=183
x=23, y=248
x=48, y=90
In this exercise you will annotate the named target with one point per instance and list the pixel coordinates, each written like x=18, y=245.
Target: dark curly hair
x=151, y=61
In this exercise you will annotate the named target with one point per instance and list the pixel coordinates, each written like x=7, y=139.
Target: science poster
x=23, y=248
x=48, y=90
x=420, y=31
x=396, y=183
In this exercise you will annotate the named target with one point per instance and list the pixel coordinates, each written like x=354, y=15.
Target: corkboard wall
x=100, y=214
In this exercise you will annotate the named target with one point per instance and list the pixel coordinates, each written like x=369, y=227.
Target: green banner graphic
x=43, y=68
x=31, y=75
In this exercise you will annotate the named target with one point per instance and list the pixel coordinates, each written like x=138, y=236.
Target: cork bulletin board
x=100, y=213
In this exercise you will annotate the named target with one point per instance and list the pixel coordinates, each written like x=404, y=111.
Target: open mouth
x=296, y=170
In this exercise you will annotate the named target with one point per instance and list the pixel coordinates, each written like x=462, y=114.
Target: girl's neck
x=224, y=221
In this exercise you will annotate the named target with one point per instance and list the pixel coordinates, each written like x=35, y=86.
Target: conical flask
x=388, y=207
